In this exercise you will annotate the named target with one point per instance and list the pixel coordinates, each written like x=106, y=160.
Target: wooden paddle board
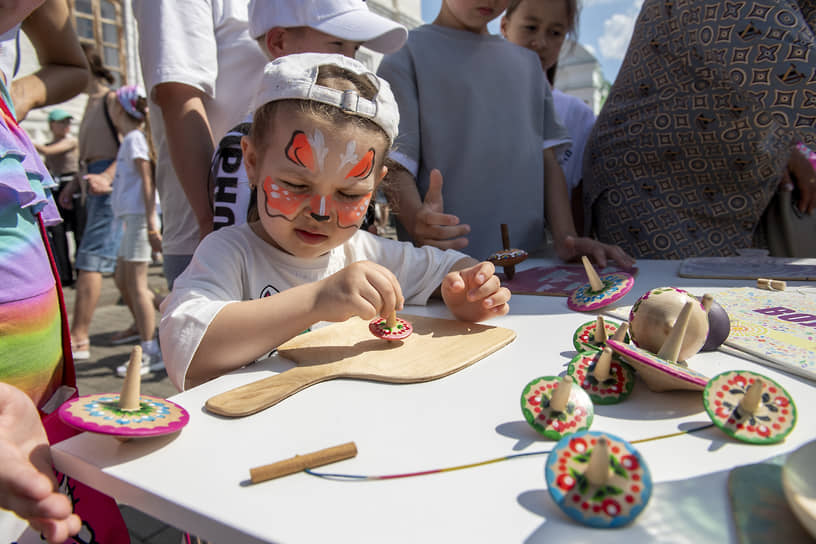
x=437, y=348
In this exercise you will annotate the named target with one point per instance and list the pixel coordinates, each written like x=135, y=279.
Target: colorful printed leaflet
x=779, y=327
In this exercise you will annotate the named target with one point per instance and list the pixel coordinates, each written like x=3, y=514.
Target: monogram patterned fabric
x=693, y=139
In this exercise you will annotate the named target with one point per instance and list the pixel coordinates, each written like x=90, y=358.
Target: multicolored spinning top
x=556, y=406
x=128, y=414
x=598, y=479
x=749, y=407
x=655, y=313
x=600, y=291
x=592, y=335
x=661, y=372
x=508, y=257
x=606, y=379
x=392, y=328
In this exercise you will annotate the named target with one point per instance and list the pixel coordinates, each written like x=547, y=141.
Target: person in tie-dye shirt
x=35, y=372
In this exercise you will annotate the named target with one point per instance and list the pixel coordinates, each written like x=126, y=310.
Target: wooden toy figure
x=556, y=406
x=598, y=479
x=749, y=407
x=600, y=291
x=508, y=257
x=392, y=328
x=128, y=414
x=605, y=378
x=654, y=314
x=661, y=372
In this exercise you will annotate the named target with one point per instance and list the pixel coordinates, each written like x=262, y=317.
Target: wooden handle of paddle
x=256, y=396
x=299, y=463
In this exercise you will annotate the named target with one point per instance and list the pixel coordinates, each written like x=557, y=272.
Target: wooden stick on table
x=299, y=463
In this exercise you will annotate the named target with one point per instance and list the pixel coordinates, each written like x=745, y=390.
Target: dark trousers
x=72, y=220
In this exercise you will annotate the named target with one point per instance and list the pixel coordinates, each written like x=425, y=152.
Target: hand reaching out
x=432, y=226
x=475, y=293
x=98, y=184
x=572, y=248
x=27, y=483
x=364, y=289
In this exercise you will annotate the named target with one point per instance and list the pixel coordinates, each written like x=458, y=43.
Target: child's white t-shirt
x=126, y=197
x=234, y=264
x=578, y=118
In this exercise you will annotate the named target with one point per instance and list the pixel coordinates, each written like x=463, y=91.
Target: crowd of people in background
x=258, y=145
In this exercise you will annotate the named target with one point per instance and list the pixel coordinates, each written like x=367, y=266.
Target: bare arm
x=568, y=246
x=62, y=146
x=64, y=69
x=190, y=142
x=243, y=331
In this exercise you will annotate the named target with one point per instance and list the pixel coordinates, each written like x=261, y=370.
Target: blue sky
x=605, y=28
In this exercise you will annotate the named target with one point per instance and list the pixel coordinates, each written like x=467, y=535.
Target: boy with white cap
x=284, y=27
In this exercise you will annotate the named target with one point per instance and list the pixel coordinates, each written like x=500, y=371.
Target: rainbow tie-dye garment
x=30, y=320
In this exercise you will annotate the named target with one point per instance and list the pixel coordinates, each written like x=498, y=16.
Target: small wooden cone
x=707, y=301
x=600, y=331
x=505, y=236
x=597, y=472
x=620, y=334
x=753, y=396
x=671, y=347
x=561, y=394
x=391, y=321
x=594, y=280
x=603, y=366
x=131, y=389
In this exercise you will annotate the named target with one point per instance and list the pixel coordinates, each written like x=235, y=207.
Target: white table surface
x=196, y=480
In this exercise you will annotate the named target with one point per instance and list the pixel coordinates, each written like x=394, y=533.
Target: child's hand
x=475, y=293
x=26, y=477
x=364, y=288
x=432, y=226
x=572, y=248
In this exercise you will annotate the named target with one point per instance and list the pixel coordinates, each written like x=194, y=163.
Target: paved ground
x=97, y=375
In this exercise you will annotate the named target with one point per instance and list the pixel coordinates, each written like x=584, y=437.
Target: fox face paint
x=284, y=202
x=307, y=151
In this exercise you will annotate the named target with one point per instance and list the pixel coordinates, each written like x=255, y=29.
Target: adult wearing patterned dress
x=700, y=126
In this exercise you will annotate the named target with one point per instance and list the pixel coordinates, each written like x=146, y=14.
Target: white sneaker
x=151, y=362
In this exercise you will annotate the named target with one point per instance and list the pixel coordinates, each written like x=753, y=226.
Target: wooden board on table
x=437, y=348
x=749, y=268
x=554, y=281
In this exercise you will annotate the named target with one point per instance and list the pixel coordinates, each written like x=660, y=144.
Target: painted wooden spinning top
x=556, y=406
x=592, y=335
x=654, y=314
x=508, y=257
x=749, y=407
x=598, y=479
x=128, y=414
x=661, y=372
x=605, y=378
x=391, y=328
x=600, y=291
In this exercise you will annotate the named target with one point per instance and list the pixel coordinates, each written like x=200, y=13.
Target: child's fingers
x=497, y=299
x=478, y=274
x=486, y=289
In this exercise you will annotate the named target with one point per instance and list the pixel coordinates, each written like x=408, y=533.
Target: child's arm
x=568, y=245
x=425, y=219
x=62, y=146
x=149, y=197
x=473, y=292
x=243, y=331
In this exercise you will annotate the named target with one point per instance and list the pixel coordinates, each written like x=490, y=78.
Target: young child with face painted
x=322, y=127
x=283, y=27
